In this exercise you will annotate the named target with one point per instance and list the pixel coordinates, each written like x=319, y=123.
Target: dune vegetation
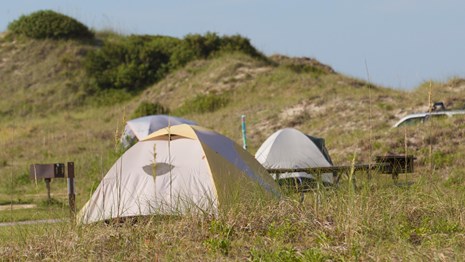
x=67, y=99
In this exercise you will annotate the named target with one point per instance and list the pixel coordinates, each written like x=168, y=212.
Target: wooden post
x=47, y=185
x=71, y=193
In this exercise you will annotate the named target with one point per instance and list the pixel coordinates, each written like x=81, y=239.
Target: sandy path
x=14, y=207
x=30, y=222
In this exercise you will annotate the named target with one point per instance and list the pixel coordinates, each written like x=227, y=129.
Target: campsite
x=188, y=190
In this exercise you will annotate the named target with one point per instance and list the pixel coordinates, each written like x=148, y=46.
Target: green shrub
x=203, y=104
x=195, y=46
x=134, y=62
x=49, y=24
x=147, y=108
x=238, y=43
x=131, y=63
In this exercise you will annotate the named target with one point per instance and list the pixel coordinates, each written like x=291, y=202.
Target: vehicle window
x=412, y=121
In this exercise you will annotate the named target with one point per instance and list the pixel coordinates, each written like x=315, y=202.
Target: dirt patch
x=301, y=113
x=17, y=206
x=293, y=111
x=240, y=76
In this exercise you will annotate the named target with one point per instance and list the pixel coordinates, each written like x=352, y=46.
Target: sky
x=396, y=43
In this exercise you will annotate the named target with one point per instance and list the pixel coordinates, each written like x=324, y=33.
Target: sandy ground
x=30, y=222
x=14, y=207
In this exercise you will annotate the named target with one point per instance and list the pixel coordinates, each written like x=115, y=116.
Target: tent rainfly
x=290, y=148
x=176, y=170
x=138, y=128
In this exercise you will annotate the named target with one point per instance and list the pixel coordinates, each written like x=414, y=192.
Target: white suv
x=422, y=117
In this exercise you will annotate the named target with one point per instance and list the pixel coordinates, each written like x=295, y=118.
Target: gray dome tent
x=290, y=148
x=138, y=128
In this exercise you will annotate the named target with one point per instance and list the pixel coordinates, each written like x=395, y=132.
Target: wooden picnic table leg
x=339, y=174
x=337, y=177
x=354, y=183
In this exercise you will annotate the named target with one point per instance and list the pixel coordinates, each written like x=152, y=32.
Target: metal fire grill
x=396, y=164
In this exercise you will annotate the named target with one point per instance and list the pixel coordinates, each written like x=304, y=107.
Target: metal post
x=71, y=194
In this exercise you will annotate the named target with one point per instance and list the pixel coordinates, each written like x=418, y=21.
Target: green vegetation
x=49, y=24
x=195, y=46
x=202, y=104
x=56, y=111
x=147, y=108
x=131, y=63
x=134, y=62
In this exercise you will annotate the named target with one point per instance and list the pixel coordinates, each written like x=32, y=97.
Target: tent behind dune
x=290, y=148
x=138, y=128
x=177, y=170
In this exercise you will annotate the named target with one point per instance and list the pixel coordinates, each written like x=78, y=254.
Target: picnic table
x=386, y=164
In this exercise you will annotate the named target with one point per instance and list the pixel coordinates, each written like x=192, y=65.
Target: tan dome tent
x=290, y=148
x=176, y=170
x=138, y=128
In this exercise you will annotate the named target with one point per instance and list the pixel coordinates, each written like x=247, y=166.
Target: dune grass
x=378, y=221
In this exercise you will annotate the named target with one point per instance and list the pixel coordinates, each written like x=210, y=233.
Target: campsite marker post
x=71, y=193
x=47, y=172
x=244, y=136
x=56, y=170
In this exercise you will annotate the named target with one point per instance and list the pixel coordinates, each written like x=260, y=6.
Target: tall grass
x=377, y=221
x=380, y=221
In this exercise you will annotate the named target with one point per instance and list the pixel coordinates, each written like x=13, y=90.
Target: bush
x=49, y=24
x=147, y=108
x=203, y=104
x=134, y=62
x=130, y=64
x=237, y=43
x=195, y=46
